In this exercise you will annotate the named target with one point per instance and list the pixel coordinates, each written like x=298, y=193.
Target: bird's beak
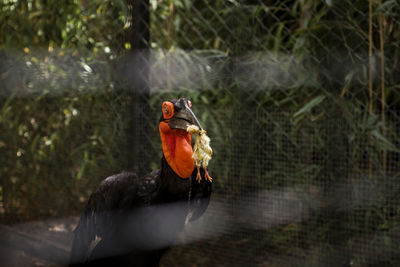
x=184, y=118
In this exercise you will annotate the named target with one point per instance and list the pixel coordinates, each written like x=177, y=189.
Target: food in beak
x=202, y=151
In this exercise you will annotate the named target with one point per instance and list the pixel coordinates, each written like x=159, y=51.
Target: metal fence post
x=138, y=78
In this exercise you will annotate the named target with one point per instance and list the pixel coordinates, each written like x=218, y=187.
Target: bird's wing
x=199, y=196
x=101, y=217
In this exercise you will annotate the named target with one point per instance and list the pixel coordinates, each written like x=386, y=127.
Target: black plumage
x=132, y=221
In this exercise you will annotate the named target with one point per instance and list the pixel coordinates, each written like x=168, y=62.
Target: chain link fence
x=300, y=100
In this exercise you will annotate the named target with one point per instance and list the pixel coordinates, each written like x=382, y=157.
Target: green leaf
x=385, y=6
x=385, y=144
x=314, y=102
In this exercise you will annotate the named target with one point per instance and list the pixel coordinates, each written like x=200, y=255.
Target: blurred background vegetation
x=294, y=94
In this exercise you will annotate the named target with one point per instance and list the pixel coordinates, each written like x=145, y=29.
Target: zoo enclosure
x=300, y=99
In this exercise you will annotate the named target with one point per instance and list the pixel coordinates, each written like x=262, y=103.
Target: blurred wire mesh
x=300, y=99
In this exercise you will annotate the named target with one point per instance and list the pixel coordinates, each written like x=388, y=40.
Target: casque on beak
x=183, y=117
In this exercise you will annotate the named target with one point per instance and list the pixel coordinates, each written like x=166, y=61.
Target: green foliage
x=69, y=24
x=62, y=124
x=58, y=127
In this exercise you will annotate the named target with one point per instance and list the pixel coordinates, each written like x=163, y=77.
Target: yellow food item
x=202, y=151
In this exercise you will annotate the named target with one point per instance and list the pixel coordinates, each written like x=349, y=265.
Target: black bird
x=131, y=220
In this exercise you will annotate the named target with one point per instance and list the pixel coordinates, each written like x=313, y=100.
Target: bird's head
x=176, y=116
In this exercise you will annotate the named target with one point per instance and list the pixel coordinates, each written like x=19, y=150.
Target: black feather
x=131, y=221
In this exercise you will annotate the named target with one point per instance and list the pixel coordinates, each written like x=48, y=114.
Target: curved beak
x=184, y=118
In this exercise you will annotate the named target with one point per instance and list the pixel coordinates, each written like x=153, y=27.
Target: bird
x=131, y=220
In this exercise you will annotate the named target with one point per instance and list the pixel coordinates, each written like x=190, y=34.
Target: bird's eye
x=189, y=103
x=168, y=110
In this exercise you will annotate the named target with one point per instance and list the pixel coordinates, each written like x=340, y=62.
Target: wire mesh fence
x=300, y=99
x=311, y=155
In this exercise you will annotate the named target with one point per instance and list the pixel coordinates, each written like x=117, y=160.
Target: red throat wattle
x=177, y=149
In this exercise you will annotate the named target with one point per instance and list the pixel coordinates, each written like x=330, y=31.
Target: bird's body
x=131, y=220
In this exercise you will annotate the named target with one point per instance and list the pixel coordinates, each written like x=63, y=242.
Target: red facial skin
x=177, y=150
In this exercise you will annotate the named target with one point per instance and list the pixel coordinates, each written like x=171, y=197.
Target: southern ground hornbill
x=131, y=220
